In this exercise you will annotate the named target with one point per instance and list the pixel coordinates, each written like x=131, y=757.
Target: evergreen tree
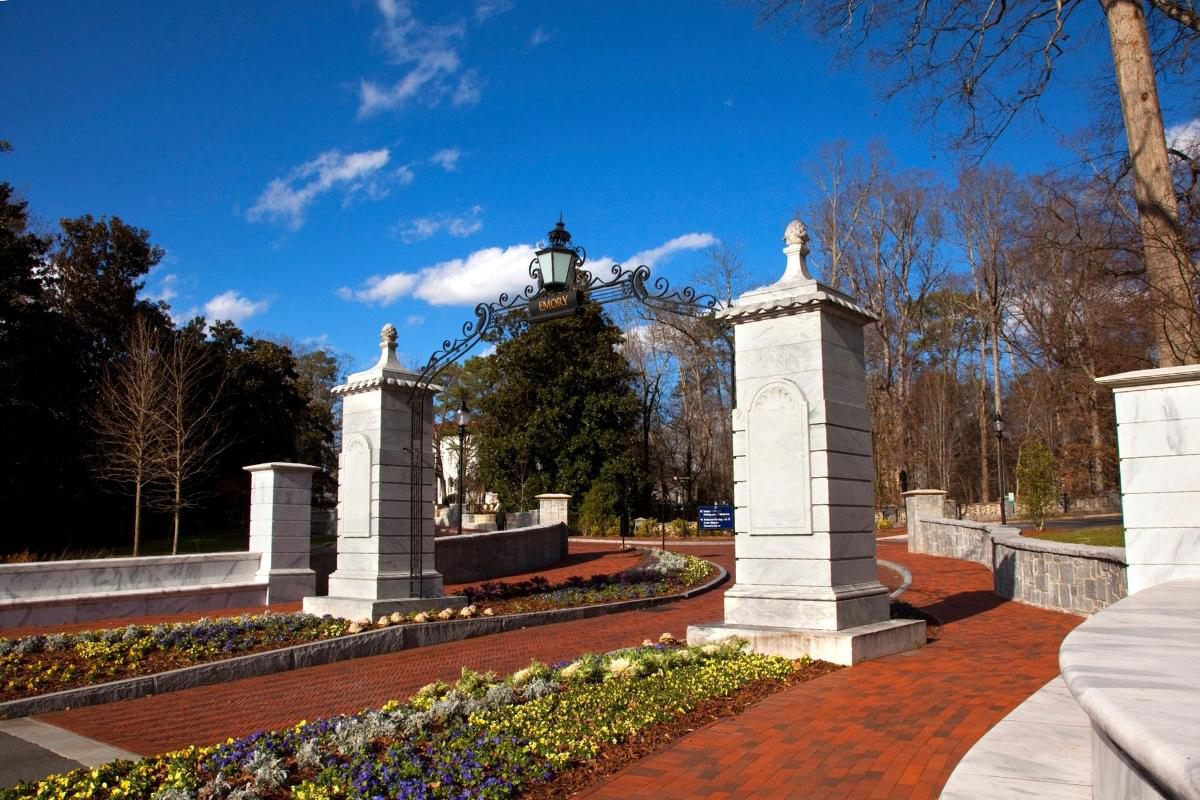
x=561, y=414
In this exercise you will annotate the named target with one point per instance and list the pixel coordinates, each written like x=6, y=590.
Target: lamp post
x=999, y=423
x=464, y=417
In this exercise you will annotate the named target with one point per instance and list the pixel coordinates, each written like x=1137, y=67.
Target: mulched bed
x=615, y=757
x=521, y=605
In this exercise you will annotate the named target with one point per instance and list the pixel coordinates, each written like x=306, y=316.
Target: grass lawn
x=1112, y=536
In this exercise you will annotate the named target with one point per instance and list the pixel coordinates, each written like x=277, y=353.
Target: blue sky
x=316, y=169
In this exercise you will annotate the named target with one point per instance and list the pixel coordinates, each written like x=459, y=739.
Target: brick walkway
x=892, y=728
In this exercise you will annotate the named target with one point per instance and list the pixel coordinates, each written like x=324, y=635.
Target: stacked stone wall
x=1074, y=578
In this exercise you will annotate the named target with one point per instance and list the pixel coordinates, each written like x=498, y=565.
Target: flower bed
x=661, y=572
x=481, y=738
x=34, y=665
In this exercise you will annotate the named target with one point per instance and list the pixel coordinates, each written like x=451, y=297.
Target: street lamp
x=557, y=260
x=998, y=421
x=464, y=417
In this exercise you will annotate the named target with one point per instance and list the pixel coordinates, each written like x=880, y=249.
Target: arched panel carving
x=778, y=468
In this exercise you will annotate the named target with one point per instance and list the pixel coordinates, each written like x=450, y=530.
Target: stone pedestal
x=921, y=504
x=281, y=528
x=553, y=508
x=1158, y=440
x=376, y=534
x=803, y=479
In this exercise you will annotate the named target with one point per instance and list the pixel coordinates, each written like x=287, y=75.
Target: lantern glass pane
x=562, y=266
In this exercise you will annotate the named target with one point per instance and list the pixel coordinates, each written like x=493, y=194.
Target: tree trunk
x=1168, y=272
x=137, y=516
x=985, y=476
x=995, y=325
x=178, y=500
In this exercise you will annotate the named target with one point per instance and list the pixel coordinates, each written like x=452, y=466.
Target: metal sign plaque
x=715, y=518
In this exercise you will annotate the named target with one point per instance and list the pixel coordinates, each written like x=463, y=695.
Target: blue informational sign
x=715, y=518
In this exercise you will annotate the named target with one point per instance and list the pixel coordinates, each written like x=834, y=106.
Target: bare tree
x=190, y=421
x=127, y=418
x=988, y=62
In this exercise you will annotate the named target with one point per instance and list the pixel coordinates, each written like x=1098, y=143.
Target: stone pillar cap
x=552, y=497
x=281, y=465
x=922, y=491
x=1152, y=377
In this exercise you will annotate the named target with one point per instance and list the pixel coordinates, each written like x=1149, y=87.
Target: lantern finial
x=560, y=236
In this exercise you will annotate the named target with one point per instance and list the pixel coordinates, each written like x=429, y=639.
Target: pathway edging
x=311, y=654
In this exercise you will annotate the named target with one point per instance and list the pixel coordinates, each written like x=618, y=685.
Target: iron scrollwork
x=623, y=284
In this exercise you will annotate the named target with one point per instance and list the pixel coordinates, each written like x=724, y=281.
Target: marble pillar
x=1158, y=441
x=281, y=528
x=375, y=526
x=803, y=478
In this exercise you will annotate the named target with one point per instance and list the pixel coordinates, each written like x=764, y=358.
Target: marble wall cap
x=552, y=496
x=1132, y=668
x=913, y=492
x=1152, y=377
x=282, y=465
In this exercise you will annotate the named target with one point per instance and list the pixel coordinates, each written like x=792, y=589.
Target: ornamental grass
x=481, y=737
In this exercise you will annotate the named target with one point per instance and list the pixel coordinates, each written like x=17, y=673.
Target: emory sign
x=553, y=305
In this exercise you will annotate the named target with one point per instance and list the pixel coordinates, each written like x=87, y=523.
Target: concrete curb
x=902, y=571
x=328, y=651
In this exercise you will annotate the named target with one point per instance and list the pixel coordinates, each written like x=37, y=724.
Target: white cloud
x=457, y=225
x=287, y=199
x=689, y=241
x=1185, y=137
x=484, y=274
x=447, y=158
x=430, y=54
x=461, y=281
x=469, y=90
x=539, y=37
x=490, y=8
x=414, y=320
x=234, y=307
x=167, y=289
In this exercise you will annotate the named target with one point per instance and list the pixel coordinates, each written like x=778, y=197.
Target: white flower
x=487, y=612
x=467, y=611
x=397, y=617
x=383, y=621
x=572, y=669
x=422, y=617
x=365, y=622
x=445, y=614
x=619, y=666
x=354, y=628
x=667, y=638
x=709, y=649
x=522, y=675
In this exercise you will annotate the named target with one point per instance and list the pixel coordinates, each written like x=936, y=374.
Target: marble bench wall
x=54, y=592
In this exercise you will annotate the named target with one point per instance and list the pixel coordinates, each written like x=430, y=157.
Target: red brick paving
x=892, y=728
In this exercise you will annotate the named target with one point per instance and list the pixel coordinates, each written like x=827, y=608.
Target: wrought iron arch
x=621, y=284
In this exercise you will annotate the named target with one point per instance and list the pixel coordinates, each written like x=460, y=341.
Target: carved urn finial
x=795, y=236
x=387, y=335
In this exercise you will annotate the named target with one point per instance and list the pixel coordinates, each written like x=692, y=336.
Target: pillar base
x=849, y=646
x=356, y=608
x=289, y=585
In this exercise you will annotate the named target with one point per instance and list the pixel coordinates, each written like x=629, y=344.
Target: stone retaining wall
x=496, y=554
x=1075, y=578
